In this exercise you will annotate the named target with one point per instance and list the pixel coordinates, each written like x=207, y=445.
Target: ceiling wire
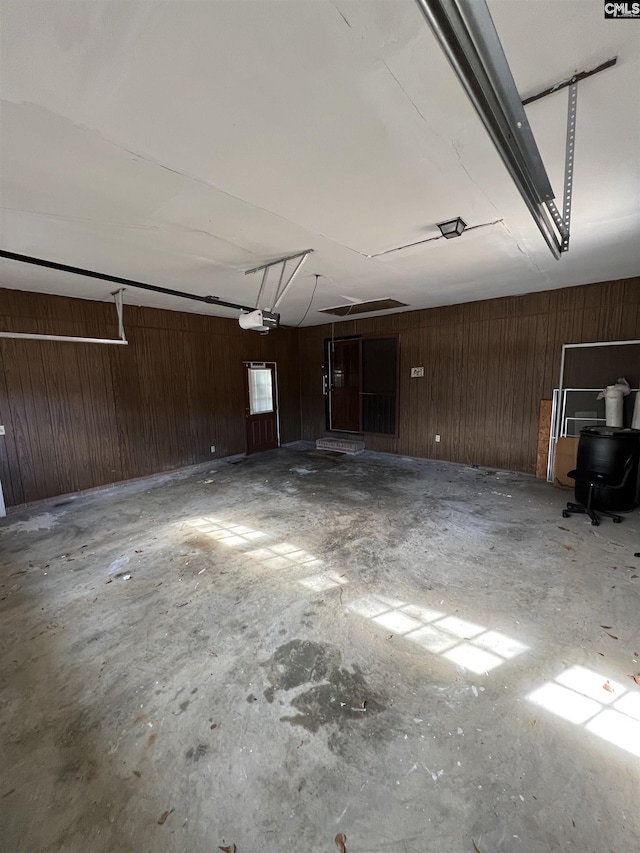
x=313, y=293
x=431, y=239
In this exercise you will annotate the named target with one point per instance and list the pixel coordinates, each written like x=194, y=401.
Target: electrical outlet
x=437, y=438
x=417, y=372
x=1, y=430
x=213, y=448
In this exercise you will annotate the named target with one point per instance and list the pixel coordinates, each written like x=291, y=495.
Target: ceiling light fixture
x=452, y=227
x=465, y=227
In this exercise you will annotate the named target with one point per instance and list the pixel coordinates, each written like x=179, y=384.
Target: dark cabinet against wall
x=597, y=366
x=379, y=385
x=362, y=392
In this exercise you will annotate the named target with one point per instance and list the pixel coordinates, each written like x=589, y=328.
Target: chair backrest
x=614, y=455
x=624, y=471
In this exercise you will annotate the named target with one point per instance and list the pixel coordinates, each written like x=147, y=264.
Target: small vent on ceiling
x=364, y=307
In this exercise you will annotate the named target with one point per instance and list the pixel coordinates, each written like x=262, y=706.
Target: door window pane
x=379, y=373
x=260, y=390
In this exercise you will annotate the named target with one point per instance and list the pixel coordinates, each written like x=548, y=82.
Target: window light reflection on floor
x=579, y=695
x=464, y=643
x=226, y=532
x=286, y=556
x=283, y=556
x=323, y=581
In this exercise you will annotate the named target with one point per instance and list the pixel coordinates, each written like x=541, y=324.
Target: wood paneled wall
x=82, y=415
x=487, y=366
x=599, y=366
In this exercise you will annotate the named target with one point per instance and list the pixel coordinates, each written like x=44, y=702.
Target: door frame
x=328, y=344
x=276, y=395
x=326, y=382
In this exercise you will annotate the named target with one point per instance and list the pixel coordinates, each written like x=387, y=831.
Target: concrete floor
x=311, y=644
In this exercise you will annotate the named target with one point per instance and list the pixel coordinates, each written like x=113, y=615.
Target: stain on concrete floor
x=336, y=694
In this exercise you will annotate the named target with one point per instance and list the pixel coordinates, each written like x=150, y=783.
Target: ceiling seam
x=194, y=178
x=468, y=174
x=526, y=254
x=341, y=15
x=449, y=139
x=129, y=226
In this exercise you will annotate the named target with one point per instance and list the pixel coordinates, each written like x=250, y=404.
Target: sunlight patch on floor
x=275, y=557
x=283, y=556
x=323, y=581
x=603, y=706
x=225, y=532
x=464, y=643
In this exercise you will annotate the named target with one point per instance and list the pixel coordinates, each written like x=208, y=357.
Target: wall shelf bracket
x=77, y=339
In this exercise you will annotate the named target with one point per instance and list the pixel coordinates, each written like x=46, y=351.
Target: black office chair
x=593, y=479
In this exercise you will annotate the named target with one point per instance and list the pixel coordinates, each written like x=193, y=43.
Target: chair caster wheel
x=617, y=521
x=565, y=514
x=595, y=522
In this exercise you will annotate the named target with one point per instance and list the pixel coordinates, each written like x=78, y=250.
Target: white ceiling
x=181, y=143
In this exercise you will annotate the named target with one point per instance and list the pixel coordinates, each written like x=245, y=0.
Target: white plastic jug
x=613, y=404
x=635, y=423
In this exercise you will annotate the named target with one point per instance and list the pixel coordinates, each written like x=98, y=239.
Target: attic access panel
x=363, y=307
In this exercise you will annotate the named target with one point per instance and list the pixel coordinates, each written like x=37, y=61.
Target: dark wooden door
x=344, y=385
x=261, y=406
